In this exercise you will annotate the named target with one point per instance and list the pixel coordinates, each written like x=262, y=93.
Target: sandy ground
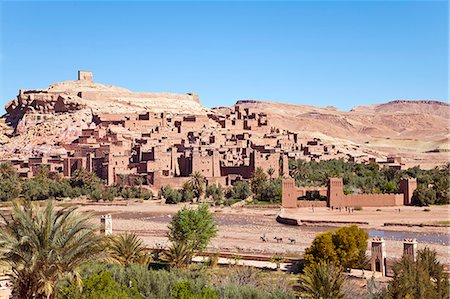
x=240, y=229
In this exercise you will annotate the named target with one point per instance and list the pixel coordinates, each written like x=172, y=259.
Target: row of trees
x=433, y=184
x=82, y=182
x=261, y=186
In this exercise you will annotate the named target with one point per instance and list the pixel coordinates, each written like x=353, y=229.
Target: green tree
x=345, y=247
x=195, y=228
x=178, y=255
x=423, y=278
x=87, y=182
x=9, y=182
x=270, y=172
x=241, y=190
x=258, y=179
x=197, y=182
x=128, y=248
x=270, y=191
x=43, y=246
x=322, y=280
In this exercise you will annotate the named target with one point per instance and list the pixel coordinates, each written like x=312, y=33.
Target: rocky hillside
x=418, y=130
x=39, y=120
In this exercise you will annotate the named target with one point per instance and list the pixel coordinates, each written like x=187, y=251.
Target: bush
x=270, y=191
x=216, y=193
x=241, y=190
x=344, y=247
x=185, y=290
x=99, y=285
x=171, y=196
x=187, y=195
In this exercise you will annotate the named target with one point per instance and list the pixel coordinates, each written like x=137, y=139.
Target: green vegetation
x=139, y=282
x=344, y=247
x=126, y=249
x=43, y=246
x=433, y=185
x=241, y=190
x=194, y=228
x=216, y=192
x=42, y=186
x=172, y=196
x=52, y=255
x=423, y=278
x=322, y=280
x=265, y=189
x=197, y=184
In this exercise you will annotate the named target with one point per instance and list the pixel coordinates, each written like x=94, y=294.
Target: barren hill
x=37, y=120
x=41, y=120
x=417, y=130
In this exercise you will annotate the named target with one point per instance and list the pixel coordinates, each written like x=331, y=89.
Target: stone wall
x=367, y=200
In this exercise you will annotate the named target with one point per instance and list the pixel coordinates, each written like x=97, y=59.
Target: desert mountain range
x=40, y=121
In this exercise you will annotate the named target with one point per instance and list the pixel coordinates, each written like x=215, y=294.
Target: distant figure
x=292, y=241
x=279, y=240
x=264, y=238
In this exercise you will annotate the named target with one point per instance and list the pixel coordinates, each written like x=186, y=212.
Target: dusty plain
x=240, y=229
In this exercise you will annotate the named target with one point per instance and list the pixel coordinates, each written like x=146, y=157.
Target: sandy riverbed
x=240, y=228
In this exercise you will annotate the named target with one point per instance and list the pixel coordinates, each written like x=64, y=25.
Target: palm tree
x=178, y=255
x=127, y=249
x=7, y=170
x=322, y=280
x=43, y=246
x=299, y=169
x=197, y=183
x=270, y=172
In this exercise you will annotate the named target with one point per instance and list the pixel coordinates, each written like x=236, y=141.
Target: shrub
x=171, y=196
x=99, y=285
x=345, y=247
x=241, y=190
x=215, y=192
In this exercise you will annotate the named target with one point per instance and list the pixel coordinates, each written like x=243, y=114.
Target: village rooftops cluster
x=165, y=148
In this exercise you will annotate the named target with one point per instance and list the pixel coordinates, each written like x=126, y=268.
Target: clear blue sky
x=321, y=53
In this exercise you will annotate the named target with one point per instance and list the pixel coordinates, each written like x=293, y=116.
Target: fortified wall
x=336, y=197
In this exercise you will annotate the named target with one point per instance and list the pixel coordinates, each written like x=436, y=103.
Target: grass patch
x=441, y=222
